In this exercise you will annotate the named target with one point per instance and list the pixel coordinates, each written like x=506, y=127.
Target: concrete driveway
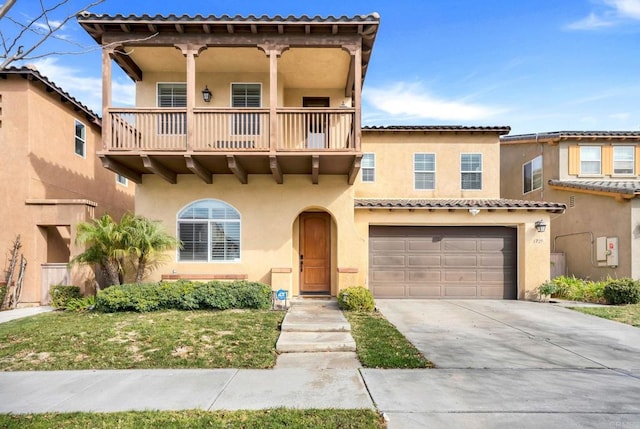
x=510, y=364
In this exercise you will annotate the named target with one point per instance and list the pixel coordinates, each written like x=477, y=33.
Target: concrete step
x=303, y=342
x=306, y=321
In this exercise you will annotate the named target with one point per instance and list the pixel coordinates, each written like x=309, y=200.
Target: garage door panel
x=423, y=245
x=443, y=262
x=388, y=245
x=424, y=276
x=388, y=276
x=424, y=292
x=460, y=245
x=425, y=261
x=455, y=261
x=389, y=261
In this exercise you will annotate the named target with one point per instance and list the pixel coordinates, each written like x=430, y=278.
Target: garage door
x=442, y=262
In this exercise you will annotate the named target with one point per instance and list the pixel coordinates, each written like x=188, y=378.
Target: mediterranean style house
x=246, y=140
x=52, y=179
x=595, y=174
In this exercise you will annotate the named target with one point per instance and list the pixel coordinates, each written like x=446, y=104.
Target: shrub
x=573, y=289
x=622, y=291
x=86, y=303
x=184, y=295
x=548, y=288
x=356, y=298
x=60, y=295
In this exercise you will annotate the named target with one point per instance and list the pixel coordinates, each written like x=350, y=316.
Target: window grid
x=471, y=171
x=590, y=160
x=122, y=180
x=369, y=167
x=424, y=171
x=210, y=232
x=532, y=175
x=80, y=144
x=623, y=160
x=246, y=95
x=172, y=95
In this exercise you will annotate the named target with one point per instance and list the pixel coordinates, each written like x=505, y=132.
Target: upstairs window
x=424, y=171
x=590, y=160
x=122, y=180
x=210, y=232
x=244, y=95
x=532, y=175
x=471, y=171
x=172, y=95
x=80, y=139
x=623, y=159
x=369, y=167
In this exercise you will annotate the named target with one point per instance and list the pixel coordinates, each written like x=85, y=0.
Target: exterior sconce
x=474, y=211
x=206, y=94
x=540, y=226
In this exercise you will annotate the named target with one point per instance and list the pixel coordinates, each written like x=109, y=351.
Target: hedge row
x=611, y=291
x=184, y=295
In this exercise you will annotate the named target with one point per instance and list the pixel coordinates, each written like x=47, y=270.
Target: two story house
x=52, y=179
x=246, y=140
x=595, y=174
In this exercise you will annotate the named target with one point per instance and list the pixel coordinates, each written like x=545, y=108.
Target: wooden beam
x=276, y=171
x=128, y=65
x=198, y=169
x=237, y=169
x=156, y=168
x=355, y=169
x=315, y=169
x=120, y=169
x=351, y=77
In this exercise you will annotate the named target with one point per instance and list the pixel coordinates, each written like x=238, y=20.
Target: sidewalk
x=19, y=313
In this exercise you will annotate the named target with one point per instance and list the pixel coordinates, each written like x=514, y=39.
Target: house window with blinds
x=246, y=95
x=590, y=160
x=532, y=175
x=623, y=160
x=172, y=95
x=210, y=232
x=369, y=167
x=471, y=171
x=424, y=171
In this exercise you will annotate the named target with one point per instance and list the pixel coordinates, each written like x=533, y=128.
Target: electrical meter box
x=607, y=251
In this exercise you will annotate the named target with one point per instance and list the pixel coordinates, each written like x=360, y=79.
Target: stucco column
x=355, y=50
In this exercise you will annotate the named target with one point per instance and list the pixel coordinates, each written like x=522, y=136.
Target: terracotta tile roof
x=372, y=17
x=439, y=128
x=490, y=204
x=630, y=187
x=571, y=135
x=33, y=74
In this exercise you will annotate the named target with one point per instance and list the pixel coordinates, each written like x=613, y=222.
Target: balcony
x=210, y=141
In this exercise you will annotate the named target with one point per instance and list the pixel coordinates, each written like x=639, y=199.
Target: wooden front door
x=315, y=253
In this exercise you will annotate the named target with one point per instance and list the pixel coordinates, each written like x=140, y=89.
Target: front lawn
x=163, y=339
x=380, y=345
x=275, y=418
x=629, y=314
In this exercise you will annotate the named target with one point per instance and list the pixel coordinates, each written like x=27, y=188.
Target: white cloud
x=86, y=89
x=615, y=12
x=412, y=101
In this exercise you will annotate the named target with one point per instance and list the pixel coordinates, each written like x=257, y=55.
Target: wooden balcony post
x=273, y=52
x=190, y=52
x=106, y=97
x=355, y=50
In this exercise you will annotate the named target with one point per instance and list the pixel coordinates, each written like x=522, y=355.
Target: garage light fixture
x=474, y=211
x=540, y=226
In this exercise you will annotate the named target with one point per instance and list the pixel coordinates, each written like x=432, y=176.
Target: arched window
x=209, y=231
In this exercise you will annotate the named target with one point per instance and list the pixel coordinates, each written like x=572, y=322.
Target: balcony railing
x=162, y=129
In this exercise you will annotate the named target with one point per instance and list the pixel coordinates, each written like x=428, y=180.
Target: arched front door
x=315, y=253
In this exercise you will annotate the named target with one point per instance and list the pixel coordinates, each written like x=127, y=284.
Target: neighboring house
x=246, y=140
x=52, y=179
x=595, y=174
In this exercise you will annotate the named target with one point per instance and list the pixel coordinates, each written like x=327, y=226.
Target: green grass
x=274, y=418
x=629, y=314
x=163, y=339
x=380, y=345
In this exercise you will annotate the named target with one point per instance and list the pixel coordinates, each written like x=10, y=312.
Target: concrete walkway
x=19, y=313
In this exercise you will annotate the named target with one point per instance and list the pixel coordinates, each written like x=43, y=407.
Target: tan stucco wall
x=269, y=214
x=587, y=216
x=37, y=133
x=394, y=164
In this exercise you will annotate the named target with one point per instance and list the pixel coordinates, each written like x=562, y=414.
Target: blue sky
x=535, y=65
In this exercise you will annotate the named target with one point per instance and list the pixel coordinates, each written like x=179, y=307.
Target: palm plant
x=105, y=239
x=146, y=241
